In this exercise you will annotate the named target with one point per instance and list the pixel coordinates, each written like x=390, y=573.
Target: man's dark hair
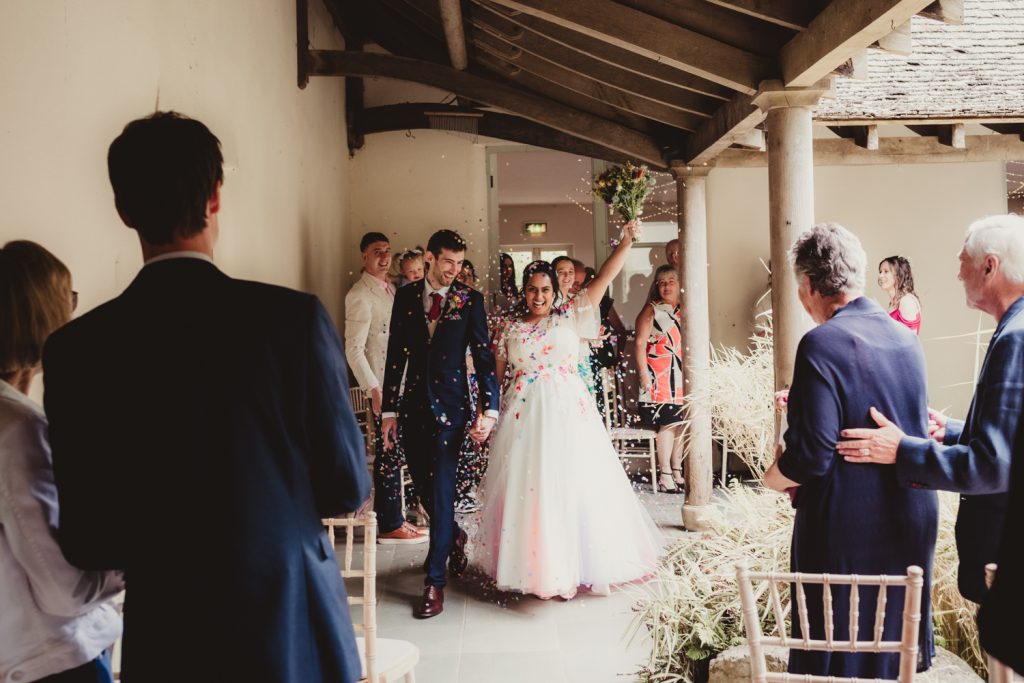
x=371, y=237
x=164, y=169
x=445, y=239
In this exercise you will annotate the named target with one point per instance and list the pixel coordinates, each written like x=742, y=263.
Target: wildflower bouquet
x=624, y=188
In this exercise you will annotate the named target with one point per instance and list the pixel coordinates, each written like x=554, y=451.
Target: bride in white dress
x=557, y=511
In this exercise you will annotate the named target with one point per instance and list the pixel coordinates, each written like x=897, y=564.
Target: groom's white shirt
x=367, y=325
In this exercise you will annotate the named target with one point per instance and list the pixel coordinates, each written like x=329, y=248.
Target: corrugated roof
x=970, y=71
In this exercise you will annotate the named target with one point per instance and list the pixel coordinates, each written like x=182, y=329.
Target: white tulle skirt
x=557, y=510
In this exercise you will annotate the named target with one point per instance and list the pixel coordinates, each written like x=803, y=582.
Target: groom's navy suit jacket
x=435, y=368
x=201, y=428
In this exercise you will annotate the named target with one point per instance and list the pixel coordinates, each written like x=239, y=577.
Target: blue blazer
x=201, y=428
x=975, y=457
x=435, y=368
x=999, y=617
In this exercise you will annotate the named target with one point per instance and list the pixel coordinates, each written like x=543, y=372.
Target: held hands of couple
x=479, y=432
x=481, y=428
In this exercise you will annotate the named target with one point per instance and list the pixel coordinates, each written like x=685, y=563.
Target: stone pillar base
x=695, y=517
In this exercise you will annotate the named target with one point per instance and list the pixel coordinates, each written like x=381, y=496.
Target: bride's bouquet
x=625, y=188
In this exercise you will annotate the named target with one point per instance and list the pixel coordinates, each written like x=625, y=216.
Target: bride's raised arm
x=613, y=266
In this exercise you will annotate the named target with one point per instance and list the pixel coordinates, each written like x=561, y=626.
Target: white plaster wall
x=410, y=186
x=918, y=211
x=567, y=224
x=73, y=73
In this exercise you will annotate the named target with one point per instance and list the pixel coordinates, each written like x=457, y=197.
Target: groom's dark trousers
x=433, y=455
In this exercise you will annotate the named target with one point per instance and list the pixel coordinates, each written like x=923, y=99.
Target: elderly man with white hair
x=972, y=456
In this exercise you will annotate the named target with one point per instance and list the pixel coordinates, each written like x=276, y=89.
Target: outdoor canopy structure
x=685, y=85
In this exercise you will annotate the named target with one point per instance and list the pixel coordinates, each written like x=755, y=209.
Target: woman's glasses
x=74, y=300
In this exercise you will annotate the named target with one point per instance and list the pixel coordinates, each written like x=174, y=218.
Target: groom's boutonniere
x=457, y=300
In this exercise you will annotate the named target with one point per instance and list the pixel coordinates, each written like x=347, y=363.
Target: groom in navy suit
x=433, y=322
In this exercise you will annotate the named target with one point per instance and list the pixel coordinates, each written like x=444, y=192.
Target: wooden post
x=791, y=208
x=691, y=183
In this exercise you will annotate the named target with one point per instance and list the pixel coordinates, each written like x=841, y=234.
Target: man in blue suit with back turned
x=201, y=429
x=433, y=323
x=971, y=456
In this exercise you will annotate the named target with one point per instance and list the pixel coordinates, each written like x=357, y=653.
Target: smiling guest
x=851, y=519
x=970, y=457
x=367, y=319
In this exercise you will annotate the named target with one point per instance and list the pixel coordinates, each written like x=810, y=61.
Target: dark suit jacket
x=999, y=618
x=975, y=458
x=435, y=368
x=200, y=429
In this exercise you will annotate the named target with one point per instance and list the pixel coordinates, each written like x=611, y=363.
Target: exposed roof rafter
x=541, y=110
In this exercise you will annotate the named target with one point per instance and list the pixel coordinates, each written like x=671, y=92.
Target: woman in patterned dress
x=659, y=361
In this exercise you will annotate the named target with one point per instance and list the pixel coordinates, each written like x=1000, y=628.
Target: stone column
x=691, y=184
x=791, y=207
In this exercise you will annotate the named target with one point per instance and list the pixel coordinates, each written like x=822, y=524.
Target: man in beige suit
x=367, y=321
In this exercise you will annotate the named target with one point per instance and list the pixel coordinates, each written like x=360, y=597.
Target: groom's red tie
x=435, y=307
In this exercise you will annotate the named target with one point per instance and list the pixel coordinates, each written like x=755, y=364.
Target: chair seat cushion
x=394, y=658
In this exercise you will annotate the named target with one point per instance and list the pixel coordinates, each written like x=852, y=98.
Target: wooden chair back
x=364, y=416
x=367, y=625
x=629, y=442
x=907, y=646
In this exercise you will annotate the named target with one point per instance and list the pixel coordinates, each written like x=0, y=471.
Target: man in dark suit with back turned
x=433, y=323
x=201, y=429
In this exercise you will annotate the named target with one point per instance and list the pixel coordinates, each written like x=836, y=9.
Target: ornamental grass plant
x=691, y=608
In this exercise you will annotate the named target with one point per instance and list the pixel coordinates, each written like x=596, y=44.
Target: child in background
x=410, y=266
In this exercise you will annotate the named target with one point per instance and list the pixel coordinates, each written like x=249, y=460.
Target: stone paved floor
x=488, y=637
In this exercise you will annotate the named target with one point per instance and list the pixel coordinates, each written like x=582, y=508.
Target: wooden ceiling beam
x=840, y=31
x=1007, y=128
x=862, y=136
x=898, y=41
x=733, y=120
x=946, y=11
x=588, y=87
x=605, y=52
x=538, y=109
x=951, y=136
x=655, y=39
x=718, y=23
x=489, y=124
x=793, y=14
x=527, y=81
x=584, y=65
x=907, y=150
x=392, y=30
x=454, y=32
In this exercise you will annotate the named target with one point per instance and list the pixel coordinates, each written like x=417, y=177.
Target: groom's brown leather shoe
x=457, y=559
x=432, y=603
